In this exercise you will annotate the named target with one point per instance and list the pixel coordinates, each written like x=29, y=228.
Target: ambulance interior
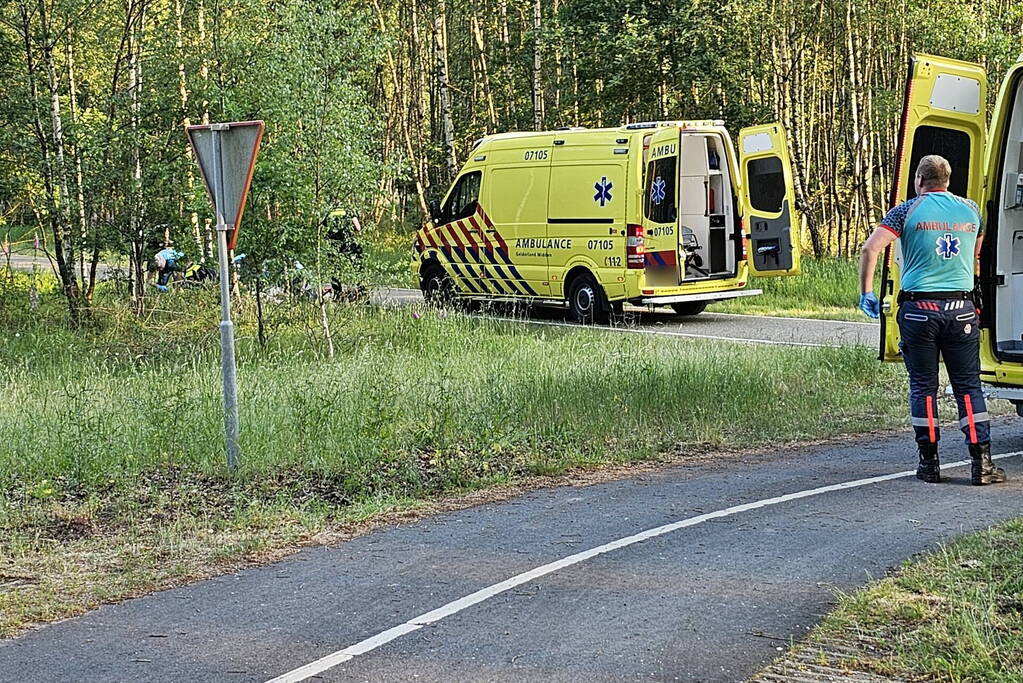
x=706, y=215
x=1009, y=250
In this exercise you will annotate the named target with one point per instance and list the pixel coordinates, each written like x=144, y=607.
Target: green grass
x=112, y=476
x=953, y=615
x=827, y=288
x=479, y=395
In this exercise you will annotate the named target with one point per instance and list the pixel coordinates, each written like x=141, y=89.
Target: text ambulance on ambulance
x=655, y=214
x=945, y=113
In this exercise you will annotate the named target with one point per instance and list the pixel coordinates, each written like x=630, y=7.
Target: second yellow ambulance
x=654, y=214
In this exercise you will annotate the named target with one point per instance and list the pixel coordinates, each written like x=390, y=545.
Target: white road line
x=662, y=333
x=456, y=606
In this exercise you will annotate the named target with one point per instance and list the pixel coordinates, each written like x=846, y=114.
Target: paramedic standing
x=940, y=235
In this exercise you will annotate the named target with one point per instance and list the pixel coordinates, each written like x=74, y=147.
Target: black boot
x=928, y=470
x=983, y=471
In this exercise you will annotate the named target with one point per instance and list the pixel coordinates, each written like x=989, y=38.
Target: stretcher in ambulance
x=945, y=113
x=653, y=214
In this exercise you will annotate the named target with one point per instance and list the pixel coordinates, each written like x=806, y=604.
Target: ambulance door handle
x=474, y=231
x=491, y=230
x=706, y=197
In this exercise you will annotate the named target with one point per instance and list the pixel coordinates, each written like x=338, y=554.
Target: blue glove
x=870, y=305
x=162, y=288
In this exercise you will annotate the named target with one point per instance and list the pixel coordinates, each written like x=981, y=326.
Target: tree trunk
x=56, y=169
x=260, y=321
x=204, y=78
x=405, y=133
x=538, y=100
x=179, y=44
x=481, y=55
x=509, y=71
x=440, y=44
x=136, y=217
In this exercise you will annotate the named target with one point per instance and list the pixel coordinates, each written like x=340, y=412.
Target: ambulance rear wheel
x=688, y=308
x=438, y=288
x=587, y=302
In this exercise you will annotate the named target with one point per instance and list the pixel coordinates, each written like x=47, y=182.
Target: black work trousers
x=949, y=328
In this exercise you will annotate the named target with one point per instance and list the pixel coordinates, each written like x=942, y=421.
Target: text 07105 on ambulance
x=654, y=214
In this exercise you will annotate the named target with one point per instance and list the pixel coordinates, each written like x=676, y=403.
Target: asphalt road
x=26, y=263
x=754, y=329
x=758, y=546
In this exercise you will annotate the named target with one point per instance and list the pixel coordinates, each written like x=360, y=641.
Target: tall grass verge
x=470, y=395
x=112, y=473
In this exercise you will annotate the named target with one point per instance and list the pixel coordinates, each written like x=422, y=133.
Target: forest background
x=371, y=106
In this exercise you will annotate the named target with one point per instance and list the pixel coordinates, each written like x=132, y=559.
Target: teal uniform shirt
x=938, y=232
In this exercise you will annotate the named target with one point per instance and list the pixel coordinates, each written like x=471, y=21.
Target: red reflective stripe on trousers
x=930, y=419
x=969, y=418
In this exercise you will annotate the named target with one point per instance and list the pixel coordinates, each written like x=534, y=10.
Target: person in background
x=166, y=261
x=940, y=235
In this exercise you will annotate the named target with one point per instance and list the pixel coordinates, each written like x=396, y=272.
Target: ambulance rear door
x=944, y=112
x=768, y=201
x=661, y=210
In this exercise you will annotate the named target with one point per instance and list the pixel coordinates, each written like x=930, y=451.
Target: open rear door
x=662, y=267
x=944, y=112
x=768, y=201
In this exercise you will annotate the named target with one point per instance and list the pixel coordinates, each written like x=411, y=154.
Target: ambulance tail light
x=745, y=243
x=635, y=247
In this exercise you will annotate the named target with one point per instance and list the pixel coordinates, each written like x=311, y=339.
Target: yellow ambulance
x=945, y=112
x=653, y=214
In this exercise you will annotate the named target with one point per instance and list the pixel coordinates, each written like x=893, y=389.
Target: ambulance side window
x=952, y=144
x=462, y=202
x=766, y=184
x=660, y=205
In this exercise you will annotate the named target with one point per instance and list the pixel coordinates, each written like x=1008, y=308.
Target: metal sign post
x=226, y=153
x=228, y=369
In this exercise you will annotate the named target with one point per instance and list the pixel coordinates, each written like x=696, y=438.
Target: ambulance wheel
x=438, y=288
x=587, y=302
x=688, y=308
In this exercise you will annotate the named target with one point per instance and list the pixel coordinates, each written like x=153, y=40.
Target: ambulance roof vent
x=640, y=126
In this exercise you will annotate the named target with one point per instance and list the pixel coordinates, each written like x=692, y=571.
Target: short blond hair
x=934, y=171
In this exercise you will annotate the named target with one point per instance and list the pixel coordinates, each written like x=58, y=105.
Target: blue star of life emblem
x=657, y=192
x=603, y=189
x=948, y=246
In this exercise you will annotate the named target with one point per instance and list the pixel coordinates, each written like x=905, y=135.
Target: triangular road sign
x=239, y=144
